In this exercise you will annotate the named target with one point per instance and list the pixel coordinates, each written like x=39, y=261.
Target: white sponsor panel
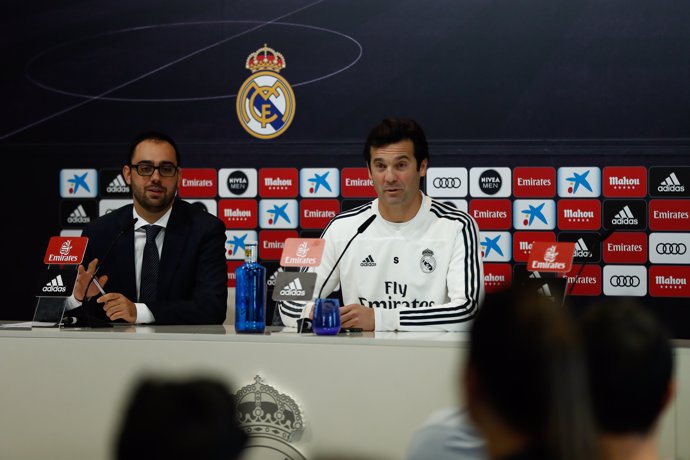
x=447, y=182
x=534, y=214
x=70, y=232
x=669, y=248
x=277, y=214
x=235, y=242
x=211, y=206
x=319, y=182
x=579, y=182
x=237, y=183
x=625, y=280
x=490, y=182
x=78, y=183
x=109, y=205
x=461, y=205
x=496, y=246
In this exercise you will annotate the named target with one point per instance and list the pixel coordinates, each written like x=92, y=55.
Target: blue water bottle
x=250, y=293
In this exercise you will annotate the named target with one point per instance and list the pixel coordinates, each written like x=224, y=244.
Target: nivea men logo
x=669, y=248
x=587, y=245
x=446, y=182
x=237, y=183
x=669, y=181
x=625, y=214
x=625, y=280
x=490, y=182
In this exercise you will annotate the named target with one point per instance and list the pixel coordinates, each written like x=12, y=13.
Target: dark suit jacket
x=192, y=277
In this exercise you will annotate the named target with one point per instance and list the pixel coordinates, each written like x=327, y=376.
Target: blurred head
x=630, y=361
x=525, y=369
x=180, y=419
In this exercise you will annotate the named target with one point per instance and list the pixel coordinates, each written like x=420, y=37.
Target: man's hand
x=117, y=306
x=354, y=315
x=83, y=278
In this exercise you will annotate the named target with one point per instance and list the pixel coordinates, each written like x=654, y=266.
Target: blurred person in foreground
x=191, y=419
x=630, y=361
x=525, y=384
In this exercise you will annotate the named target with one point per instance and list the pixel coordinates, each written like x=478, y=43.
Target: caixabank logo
x=265, y=102
x=278, y=182
x=491, y=214
x=198, y=183
x=523, y=241
x=319, y=182
x=112, y=184
x=490, y=182
x=579, y=214
x=78, y=183
x=534, y=182
x=625, y=214
x=236, y=241
x=669, y=215
x=497, y=277
x=625, y=181
x=238, y=213
x=670, y=182
x=669, y=281
x=625, y=248
x=77, y=213
x=496, y=246
x=587, y=246
x=237, y=183
x=583, y=182
x=276, y=214
x=534, y=214
x=447, y=182
x=669, y=248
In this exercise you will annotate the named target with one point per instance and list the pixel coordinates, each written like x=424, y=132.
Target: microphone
x=602, y=239
x=89, y=319
x=360, y=229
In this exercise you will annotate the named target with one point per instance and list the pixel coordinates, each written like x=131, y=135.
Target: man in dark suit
x=186, y=283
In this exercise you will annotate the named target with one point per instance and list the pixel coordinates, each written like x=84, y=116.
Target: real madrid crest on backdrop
x=265, y=101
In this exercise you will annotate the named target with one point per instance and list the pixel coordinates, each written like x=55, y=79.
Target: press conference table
x=62, y=390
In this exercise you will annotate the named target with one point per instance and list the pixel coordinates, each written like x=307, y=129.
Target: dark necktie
x=149, y=266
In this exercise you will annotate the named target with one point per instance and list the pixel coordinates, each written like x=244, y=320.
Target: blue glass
x=326, y=317
x=250, y=295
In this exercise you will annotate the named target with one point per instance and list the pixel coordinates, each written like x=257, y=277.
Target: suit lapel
x=175, y=236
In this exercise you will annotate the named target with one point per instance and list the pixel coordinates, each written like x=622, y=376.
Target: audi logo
x=447, y=182
x=625, y=281
x=671, y=248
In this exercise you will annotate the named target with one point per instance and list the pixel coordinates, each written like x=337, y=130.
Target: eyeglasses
x=147, y=169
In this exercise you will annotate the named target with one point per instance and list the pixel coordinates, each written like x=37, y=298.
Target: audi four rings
x=671, y=248
x=447, y=182
x=625, y=281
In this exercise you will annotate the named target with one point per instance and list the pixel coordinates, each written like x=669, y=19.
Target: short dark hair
x=180, y=419
x=630, y=360
x=155, y=136
x=392, y=130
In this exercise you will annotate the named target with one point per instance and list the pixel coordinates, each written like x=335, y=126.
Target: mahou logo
x=198, y=183
x=272, y=242
x=497, y=277
x=317, y=213
x=669, y=215
x=238, y=213
x=579, y=214
x=534, y=182
x=523, y=241
x=278, y=182
x=355, y=183
x=588, y=281
x=491, y=214
x=669, y=281
x=626, y=248
x=625, y=181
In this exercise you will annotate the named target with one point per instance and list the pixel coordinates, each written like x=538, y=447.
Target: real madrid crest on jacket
x=422, y=275
x=265, y=101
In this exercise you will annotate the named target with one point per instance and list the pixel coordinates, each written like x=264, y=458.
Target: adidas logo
x=78, y=216
x=581, y=249
x=368, y=262
x=118, y=185
x=272, y=280
x=534, y=275
x=624, y=217
x=671, y=184
x=294, y=287
x=55, y=285
x=545, y=290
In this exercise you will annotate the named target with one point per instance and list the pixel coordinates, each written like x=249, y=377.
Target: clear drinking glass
x=326, y=317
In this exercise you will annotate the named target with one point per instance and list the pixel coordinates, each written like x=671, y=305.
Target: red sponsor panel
x=625, y=248
x=624, y=181
x=669, y=281
x=497, y=277
x=232, y=266
x=522, y=243
x=669, y=215
x=272, y=242
x=534, y=182
x=317, y=213
x=355, y=183
x=65, y=250
x=579, y=214
x=588, y=280
x=278, y=182
x=492, y=214
x=551, y=256
x=238, y=213
x=198, y=183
